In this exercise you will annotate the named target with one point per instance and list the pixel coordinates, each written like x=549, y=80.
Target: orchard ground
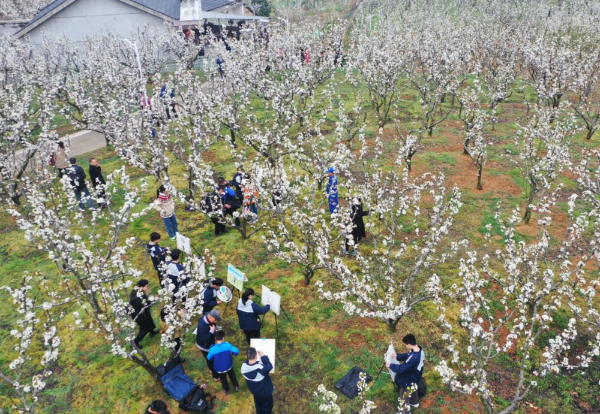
x=322, y=342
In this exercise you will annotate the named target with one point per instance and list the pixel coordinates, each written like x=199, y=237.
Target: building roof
x=218, y=16
x=46, y=10
x=167, y=7
x=208, y=5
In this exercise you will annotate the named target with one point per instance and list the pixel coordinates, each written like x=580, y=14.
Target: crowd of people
x=219, y=354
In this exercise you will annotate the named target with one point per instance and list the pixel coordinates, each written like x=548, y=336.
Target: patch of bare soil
x=466, y=178
x=278, y=273
x=451, y=405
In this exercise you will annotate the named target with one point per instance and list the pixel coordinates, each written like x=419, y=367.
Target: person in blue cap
x=332, y=190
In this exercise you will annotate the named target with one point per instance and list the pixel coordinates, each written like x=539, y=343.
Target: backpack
x=198, y=401
x=348, y=385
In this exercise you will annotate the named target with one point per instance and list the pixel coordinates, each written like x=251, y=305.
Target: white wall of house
x=89, y=17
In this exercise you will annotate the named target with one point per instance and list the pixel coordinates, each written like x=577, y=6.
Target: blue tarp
x=177, y=383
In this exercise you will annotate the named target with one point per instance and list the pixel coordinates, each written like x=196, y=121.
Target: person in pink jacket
x=165, y=205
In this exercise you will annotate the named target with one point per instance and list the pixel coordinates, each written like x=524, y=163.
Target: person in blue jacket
x=410, y=372
x=230, y=202
x=248, y=314
x=221, y=354
x=256, y=372
x=332, y=190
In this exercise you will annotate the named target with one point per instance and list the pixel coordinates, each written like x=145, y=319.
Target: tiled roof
x=208, y=5
x=46, y=10
x=169, y=8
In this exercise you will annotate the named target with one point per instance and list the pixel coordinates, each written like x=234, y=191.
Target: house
x=78, y=19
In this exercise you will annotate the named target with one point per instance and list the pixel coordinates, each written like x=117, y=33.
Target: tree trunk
x=489, y=406
x=465, y=146
x=408, y=161
x=192, y=185
x=244, y=227
x=392, y=324
x=232, y=137
x=308, y=275
x=590, y=133
x=16, y=199
x=148, y=367
x=479, y=174
x=528, y=211
x=319, y=184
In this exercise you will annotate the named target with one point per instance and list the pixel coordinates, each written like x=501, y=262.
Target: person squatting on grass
x=410, y=372
x=165, y=205
x=158, y=254
x=221, y=354
x=205, y=337
x=140, y=311
x=248, y=315
x=256, y=372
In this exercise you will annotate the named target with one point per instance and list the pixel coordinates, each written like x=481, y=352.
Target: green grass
x=323, y=342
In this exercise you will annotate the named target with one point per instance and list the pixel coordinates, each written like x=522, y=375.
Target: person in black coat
x=205, y=338
x=77, y=177
x=97, y=180
x=210, y=299
x=141, y=311
x=358, y=225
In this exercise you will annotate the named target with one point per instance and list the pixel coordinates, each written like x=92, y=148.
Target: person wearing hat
x=205, y=337
x=332, y=190
x=140, y=311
